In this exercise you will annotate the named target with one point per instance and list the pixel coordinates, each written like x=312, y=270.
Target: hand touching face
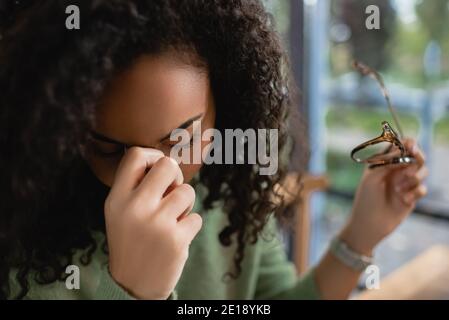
x=144, y=105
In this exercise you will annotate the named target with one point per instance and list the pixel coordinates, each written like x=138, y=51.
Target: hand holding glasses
x=387, y=148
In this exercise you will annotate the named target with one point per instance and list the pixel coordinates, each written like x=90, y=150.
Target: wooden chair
x=297, y=190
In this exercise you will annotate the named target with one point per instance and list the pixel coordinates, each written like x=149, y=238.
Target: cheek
x=190, y=170
x=103, y=170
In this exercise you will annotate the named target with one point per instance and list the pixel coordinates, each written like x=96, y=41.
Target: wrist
x=347, y=256
x=356, y=241
x=119, y=284
x=143, y=296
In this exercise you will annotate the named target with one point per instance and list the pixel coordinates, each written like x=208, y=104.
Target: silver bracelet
x=348, y=256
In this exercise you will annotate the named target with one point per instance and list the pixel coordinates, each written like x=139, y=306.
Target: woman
x=87, y=180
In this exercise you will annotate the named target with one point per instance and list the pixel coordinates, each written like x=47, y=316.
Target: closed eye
x=171, y=144
x=107, y=150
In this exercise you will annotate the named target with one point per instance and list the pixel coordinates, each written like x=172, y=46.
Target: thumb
x=381, y=173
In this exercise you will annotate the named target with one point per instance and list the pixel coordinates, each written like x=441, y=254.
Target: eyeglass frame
x=388, y=133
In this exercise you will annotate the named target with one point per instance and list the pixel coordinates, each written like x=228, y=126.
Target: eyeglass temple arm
x=367, y=71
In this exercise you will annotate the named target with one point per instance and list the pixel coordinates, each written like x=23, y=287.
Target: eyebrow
x=185, y=125
x=100, y=137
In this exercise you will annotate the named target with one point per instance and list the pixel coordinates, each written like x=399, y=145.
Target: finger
x=132, y=168
x=417, y=153
x=410, y=181
x=414, y=195
x=190, y=226
x=179, y=202
x=165, y=172
x=414, y=151
x=380, y=173
x=408, y=142
x=392, y=152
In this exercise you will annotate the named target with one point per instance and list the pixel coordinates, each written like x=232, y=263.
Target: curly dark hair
x=52, y=79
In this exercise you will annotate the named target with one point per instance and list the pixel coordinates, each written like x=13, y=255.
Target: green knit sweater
x=266, y=272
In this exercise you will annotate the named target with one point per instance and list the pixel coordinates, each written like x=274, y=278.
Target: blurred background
x=411, y=51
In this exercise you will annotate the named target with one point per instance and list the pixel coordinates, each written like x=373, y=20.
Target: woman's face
x=144, y=105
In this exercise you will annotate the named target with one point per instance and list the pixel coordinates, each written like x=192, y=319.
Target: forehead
x=153, y=97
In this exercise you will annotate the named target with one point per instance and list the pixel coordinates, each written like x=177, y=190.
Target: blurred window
x=411, y=51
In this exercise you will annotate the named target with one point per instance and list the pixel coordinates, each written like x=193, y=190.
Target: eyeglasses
x=387, y=148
